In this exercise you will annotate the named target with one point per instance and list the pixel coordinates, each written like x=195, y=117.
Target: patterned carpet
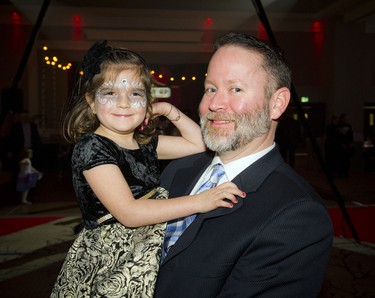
x=351, y=272
x=30, y=260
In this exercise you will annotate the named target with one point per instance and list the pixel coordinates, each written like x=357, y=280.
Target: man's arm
x=288, y=258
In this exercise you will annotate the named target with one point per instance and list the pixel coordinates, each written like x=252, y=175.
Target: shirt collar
x=233, y=168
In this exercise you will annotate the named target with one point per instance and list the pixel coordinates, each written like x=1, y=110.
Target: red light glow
x=16, y=18
x=317, y=27
x=262, y=34
x=318, y=38
x=208, y=34
x=77, y=21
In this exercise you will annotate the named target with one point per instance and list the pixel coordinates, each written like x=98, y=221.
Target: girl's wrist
x=170, y=110
x=178, y=117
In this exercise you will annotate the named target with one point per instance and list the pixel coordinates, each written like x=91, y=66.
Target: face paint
x=110, y=93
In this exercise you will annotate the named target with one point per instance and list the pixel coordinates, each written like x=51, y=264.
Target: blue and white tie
x=177, y=227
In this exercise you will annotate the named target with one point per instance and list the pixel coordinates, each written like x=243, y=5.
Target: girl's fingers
x=226, y=204
x=232, y=189
x=231, y=197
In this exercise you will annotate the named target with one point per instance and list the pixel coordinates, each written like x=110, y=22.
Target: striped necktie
x=177, y=227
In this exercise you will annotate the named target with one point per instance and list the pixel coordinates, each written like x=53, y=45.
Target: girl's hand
x=223, y=195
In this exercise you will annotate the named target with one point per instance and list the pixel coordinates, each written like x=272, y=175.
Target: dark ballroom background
x=330, y=45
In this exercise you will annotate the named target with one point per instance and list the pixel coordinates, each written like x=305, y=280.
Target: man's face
x=234, y=109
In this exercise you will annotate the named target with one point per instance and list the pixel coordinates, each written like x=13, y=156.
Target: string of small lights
x=183, y=78
x=162, y=77
x=54, y=61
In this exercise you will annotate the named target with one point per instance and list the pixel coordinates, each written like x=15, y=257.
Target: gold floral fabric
x=112, y=261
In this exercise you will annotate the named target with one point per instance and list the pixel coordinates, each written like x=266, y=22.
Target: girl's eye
x=109, y=93
x=138, y=99
x=138, y=94
x=106, y=96
x=106, y=93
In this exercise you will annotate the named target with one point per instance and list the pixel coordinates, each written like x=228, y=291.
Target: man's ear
x=91, y=103
x=279, y=102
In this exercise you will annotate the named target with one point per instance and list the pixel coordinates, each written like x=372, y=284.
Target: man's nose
x=218, y=101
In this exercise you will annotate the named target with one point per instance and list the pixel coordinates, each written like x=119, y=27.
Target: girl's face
x=120, y=104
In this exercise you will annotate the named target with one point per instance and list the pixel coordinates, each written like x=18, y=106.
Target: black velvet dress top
x=139, y=167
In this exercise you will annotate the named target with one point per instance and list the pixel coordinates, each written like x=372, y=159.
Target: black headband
x=93, y=58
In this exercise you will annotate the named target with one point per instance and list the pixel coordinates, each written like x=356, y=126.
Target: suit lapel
x=250, y=179
x=188, y=175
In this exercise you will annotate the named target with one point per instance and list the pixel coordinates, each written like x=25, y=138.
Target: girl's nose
x=123, y=101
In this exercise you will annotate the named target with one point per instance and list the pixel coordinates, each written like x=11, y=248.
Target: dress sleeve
x=154, y=141
x=92, y=151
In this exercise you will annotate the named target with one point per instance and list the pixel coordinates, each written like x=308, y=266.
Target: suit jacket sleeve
x=288, y=255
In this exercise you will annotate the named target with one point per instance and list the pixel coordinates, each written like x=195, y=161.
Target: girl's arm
x=190, y=141
x=109, y=185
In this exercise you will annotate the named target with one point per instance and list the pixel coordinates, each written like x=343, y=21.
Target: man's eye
x=209, y=90
x=236, y=90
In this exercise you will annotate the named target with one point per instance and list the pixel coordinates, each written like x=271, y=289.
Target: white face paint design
x=110, y=93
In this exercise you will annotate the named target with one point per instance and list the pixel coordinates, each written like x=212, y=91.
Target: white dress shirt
x=232, y=169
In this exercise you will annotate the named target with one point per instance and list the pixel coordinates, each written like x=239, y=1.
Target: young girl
x=115, y=173
x=27, y=176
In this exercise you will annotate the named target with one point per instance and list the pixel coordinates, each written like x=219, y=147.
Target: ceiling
x=172, y=32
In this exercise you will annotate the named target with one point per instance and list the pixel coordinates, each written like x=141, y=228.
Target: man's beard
x=246, y=128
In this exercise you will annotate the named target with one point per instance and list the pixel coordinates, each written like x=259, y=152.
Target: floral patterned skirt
x=112, y=261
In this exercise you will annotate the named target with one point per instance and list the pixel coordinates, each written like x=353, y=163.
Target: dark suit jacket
x=273, y=243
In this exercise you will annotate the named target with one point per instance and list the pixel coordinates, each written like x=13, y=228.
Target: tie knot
x=217, y=172
x=218, y=167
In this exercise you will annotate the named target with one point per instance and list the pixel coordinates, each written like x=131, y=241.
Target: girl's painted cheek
x=137, y=102
x=104, y=100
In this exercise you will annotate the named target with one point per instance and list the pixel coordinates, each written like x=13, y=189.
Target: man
x=345, y=138
x=276, y=241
